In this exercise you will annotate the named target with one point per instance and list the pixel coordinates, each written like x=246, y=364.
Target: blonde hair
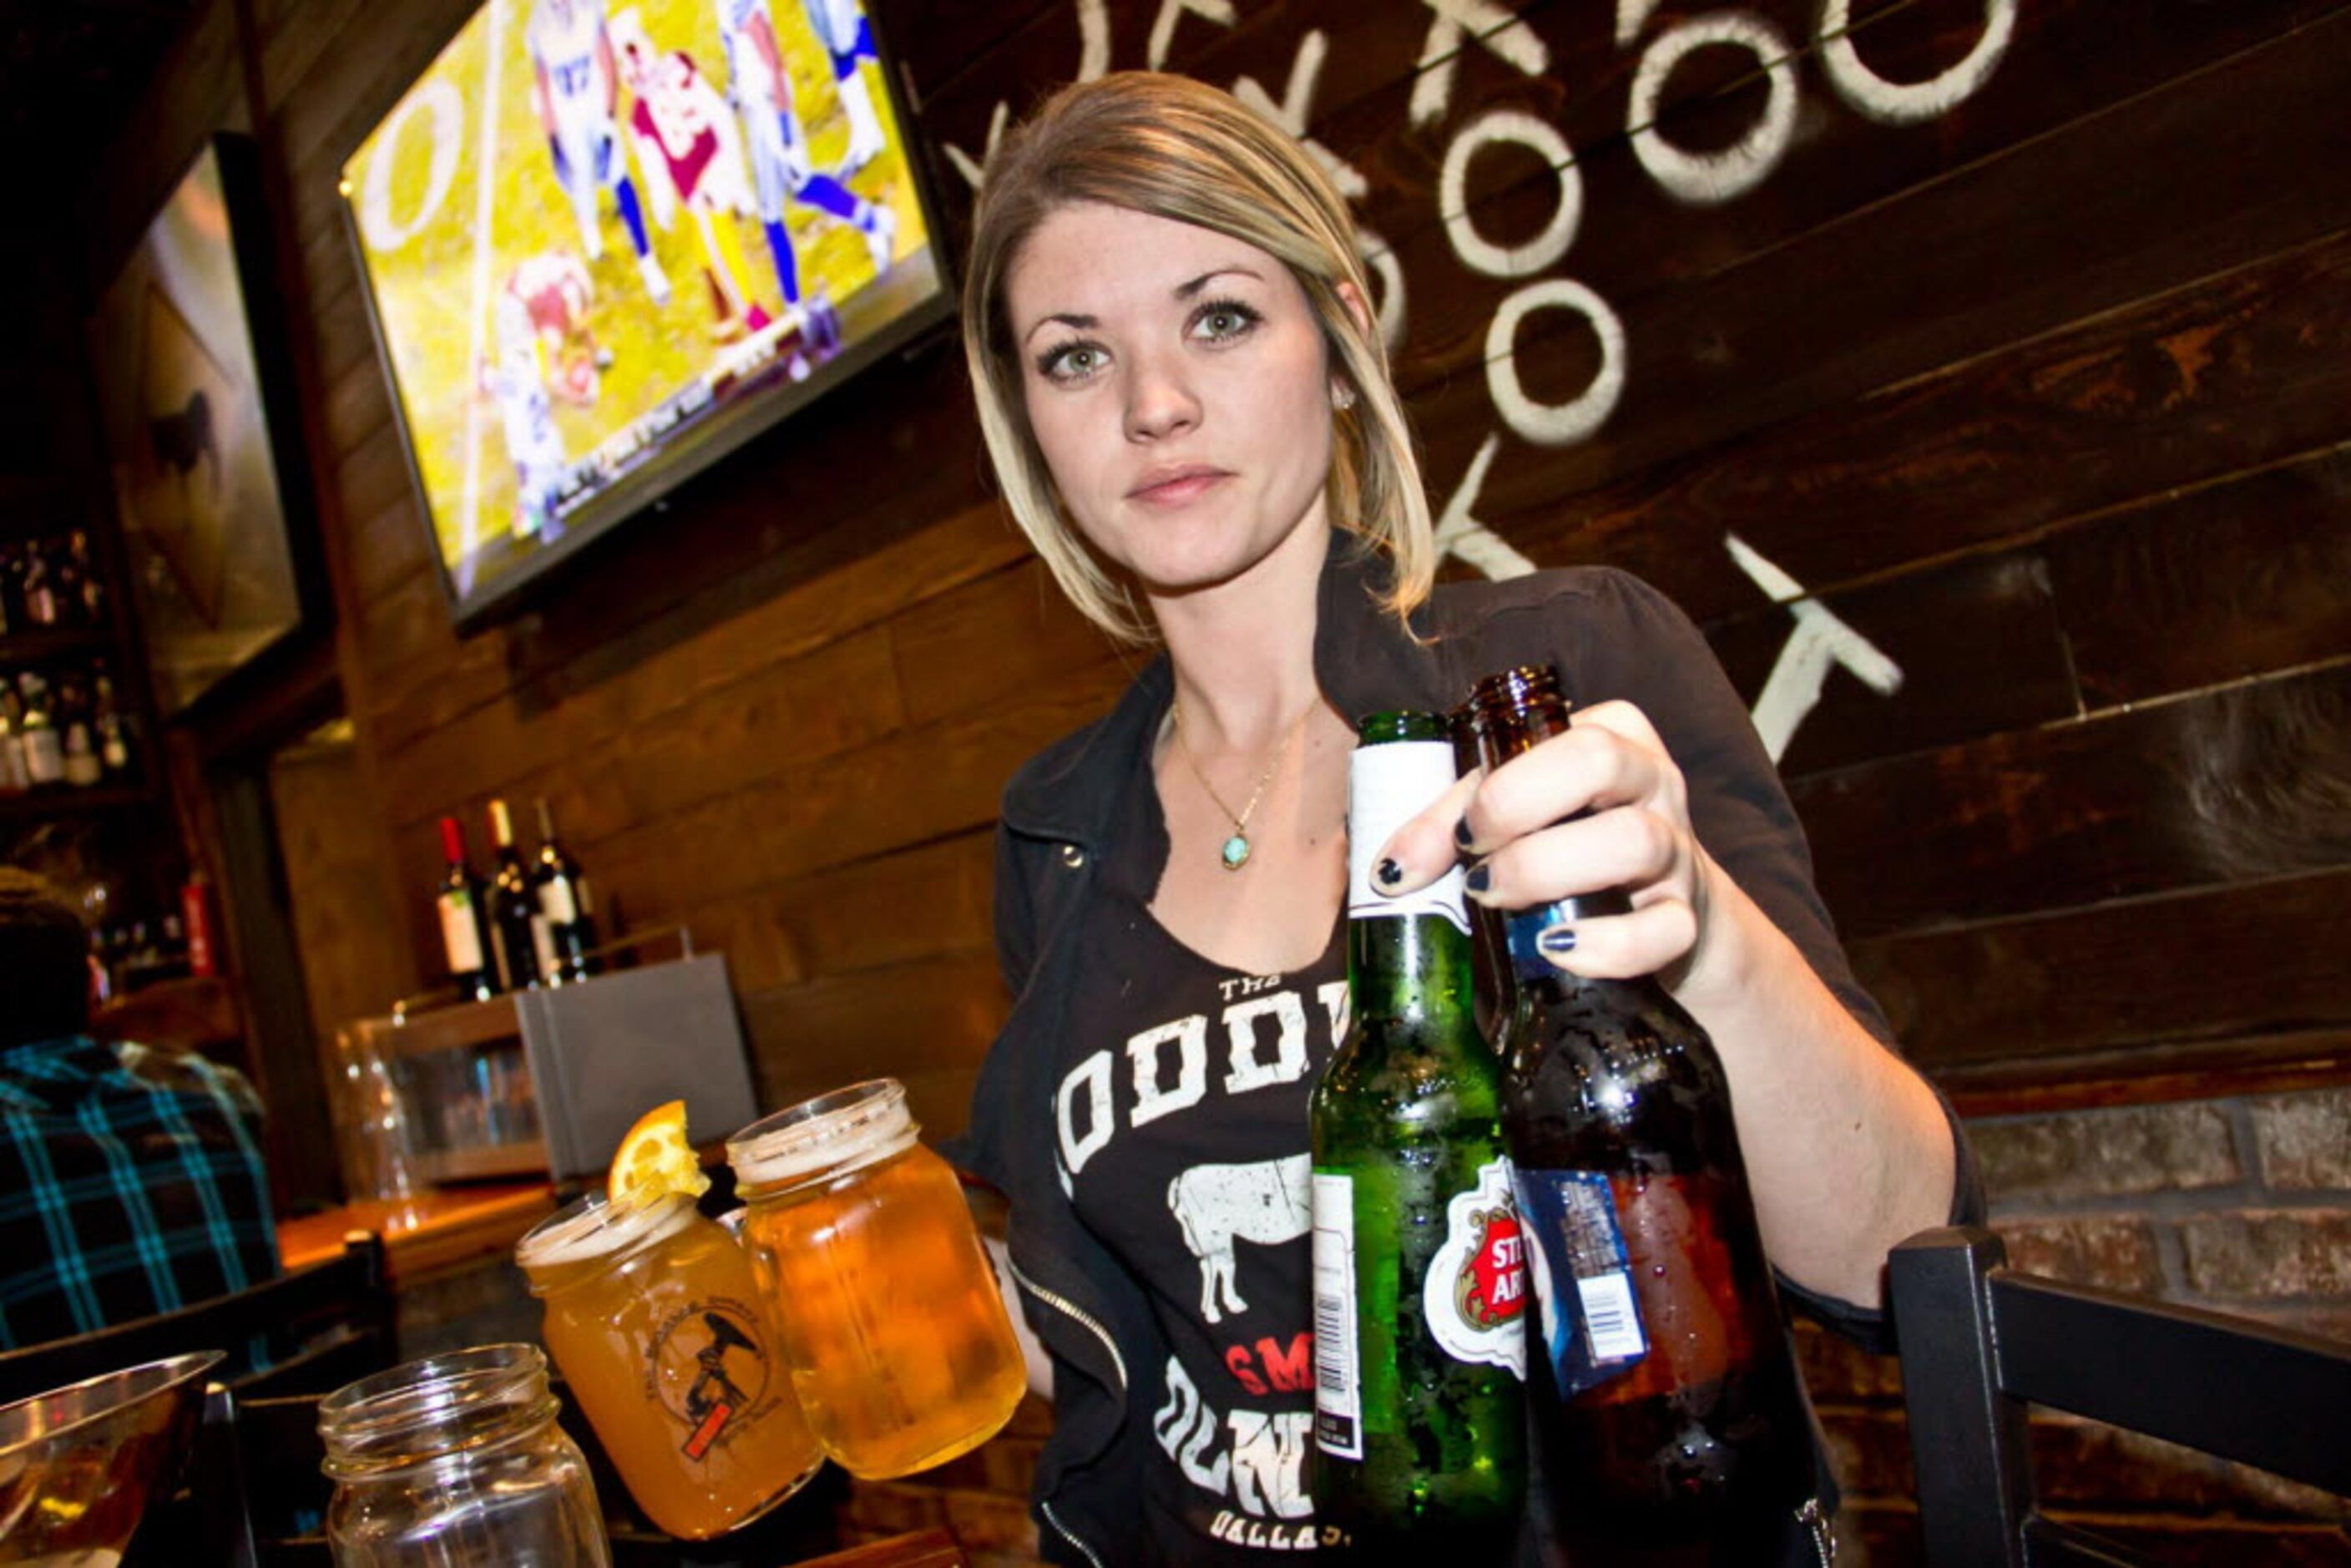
x=1175, y=148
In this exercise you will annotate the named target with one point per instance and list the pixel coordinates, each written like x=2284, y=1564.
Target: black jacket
x=1611, y=636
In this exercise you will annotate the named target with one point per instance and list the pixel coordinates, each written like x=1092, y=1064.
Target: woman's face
x=1177, y=382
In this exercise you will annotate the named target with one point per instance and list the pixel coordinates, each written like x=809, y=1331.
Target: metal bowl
x=79, y=1464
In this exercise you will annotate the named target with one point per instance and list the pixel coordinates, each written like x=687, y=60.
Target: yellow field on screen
x=439, y=245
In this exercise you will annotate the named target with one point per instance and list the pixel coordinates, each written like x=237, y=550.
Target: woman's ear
x=1352, y=297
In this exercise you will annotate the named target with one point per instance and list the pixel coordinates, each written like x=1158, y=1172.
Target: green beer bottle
x=1419, y=1285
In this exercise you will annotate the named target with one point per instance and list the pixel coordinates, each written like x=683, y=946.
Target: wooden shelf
x=40, y=647
x=68, y=802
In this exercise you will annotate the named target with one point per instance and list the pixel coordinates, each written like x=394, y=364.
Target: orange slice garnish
x=655, y=1161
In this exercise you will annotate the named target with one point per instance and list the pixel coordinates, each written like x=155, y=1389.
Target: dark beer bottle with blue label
x=1669, y=1421
x=1419, y=1285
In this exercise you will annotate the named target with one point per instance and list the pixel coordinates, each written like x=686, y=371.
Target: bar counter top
x=427, y=1234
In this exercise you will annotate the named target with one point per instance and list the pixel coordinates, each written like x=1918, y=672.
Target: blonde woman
x=1171, y=343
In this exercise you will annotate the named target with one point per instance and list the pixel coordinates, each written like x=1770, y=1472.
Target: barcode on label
x=1329, y=1347
x=1610, y=1323
x=1338, y=1391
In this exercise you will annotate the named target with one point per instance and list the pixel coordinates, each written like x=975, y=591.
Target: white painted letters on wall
x=1452, y=25
x=1820, y=643
x=1907, y=103
x=1709, y=178
x=1477, y=253
x=1461, y=535
x=1297, y=106
x=1162, y=26
x=1554, y=424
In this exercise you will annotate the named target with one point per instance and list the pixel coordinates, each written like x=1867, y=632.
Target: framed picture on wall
x=202, y=474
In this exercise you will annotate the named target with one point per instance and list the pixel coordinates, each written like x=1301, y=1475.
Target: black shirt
x=1180, y=1121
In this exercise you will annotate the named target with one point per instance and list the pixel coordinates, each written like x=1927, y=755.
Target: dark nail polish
x=1481, y=879
x=1461, y=832
x=1557, y=939
x=1388, y=874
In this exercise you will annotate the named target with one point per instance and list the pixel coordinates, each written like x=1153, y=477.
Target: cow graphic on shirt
x=1215, y=1206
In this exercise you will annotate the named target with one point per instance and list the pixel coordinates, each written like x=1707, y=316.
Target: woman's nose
x=1160, y=402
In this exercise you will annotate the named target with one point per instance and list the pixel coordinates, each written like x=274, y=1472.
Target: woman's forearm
x=1847, y=1148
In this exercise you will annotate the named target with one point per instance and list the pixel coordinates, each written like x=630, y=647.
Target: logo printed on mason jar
x=707, y=1366
x=1476, y=1290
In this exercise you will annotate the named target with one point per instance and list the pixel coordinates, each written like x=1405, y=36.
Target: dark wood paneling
x=1977, y=640
x=2014, y=246
x=931, y=1021
x=327, y=828
x=2226, y=968
x=2186, y=591
x=895, y=909
x=2228, y=785
x=2216, y=585
x=2228, y=373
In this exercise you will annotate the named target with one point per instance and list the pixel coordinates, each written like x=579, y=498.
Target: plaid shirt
x=131, y=1184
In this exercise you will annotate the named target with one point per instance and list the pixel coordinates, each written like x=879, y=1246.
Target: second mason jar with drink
x=897, y=1339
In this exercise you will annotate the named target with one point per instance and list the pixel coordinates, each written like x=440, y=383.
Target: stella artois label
x=1475, y=1295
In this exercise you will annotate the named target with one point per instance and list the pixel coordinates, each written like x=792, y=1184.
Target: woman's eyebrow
x=1188, y=290
x=1066, y=318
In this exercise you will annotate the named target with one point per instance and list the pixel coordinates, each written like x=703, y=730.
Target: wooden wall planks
x=2044, y=397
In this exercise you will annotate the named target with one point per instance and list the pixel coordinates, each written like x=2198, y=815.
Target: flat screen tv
x=605, y=245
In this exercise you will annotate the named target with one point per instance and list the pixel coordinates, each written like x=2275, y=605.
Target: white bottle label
x=1474, y=1296
x=45, y=756
x=555, y=902
x=1338, y=1379
x=460, y=938
x=1388, y=785
x=542, y=943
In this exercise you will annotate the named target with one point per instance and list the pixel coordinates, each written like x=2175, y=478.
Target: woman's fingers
x=1627, y=847
x=1590, y=767
x=1423, y=848
x=1620, y=947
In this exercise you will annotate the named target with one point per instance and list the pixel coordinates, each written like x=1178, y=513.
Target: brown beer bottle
x=1669, y=1418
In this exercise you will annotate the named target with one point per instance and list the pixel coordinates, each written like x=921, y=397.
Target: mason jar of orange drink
x=659, y=1326
x=888, y=1311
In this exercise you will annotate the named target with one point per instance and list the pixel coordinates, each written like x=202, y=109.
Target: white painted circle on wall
x=1554, y=424
x=1709, y=178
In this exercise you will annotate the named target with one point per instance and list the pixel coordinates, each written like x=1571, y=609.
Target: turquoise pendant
x=1237, y=852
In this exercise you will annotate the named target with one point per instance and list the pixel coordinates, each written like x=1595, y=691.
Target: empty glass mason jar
x=456, y=1462
x=884, y=1301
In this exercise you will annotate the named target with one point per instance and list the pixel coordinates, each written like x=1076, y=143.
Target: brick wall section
x=2239, y=1205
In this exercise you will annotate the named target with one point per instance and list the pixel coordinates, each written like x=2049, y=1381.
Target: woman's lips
x=1178, y=489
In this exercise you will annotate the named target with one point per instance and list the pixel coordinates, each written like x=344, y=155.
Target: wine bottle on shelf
x=88, y=604
x=79, y=735
x=465, y=920
x=567, y=925
x=45, y=752
x=14, y=779
x=113, y=731
x=42, y=606
x=513, y=906
x=11, y=601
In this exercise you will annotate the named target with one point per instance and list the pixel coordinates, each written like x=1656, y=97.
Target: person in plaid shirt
x=130, y=1176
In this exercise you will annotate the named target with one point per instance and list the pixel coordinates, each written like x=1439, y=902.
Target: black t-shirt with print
x=1182, y=1119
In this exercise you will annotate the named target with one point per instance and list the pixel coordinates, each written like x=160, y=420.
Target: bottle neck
x=1408, y=967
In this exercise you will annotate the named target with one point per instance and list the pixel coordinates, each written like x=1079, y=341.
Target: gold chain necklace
x=1235, y=851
